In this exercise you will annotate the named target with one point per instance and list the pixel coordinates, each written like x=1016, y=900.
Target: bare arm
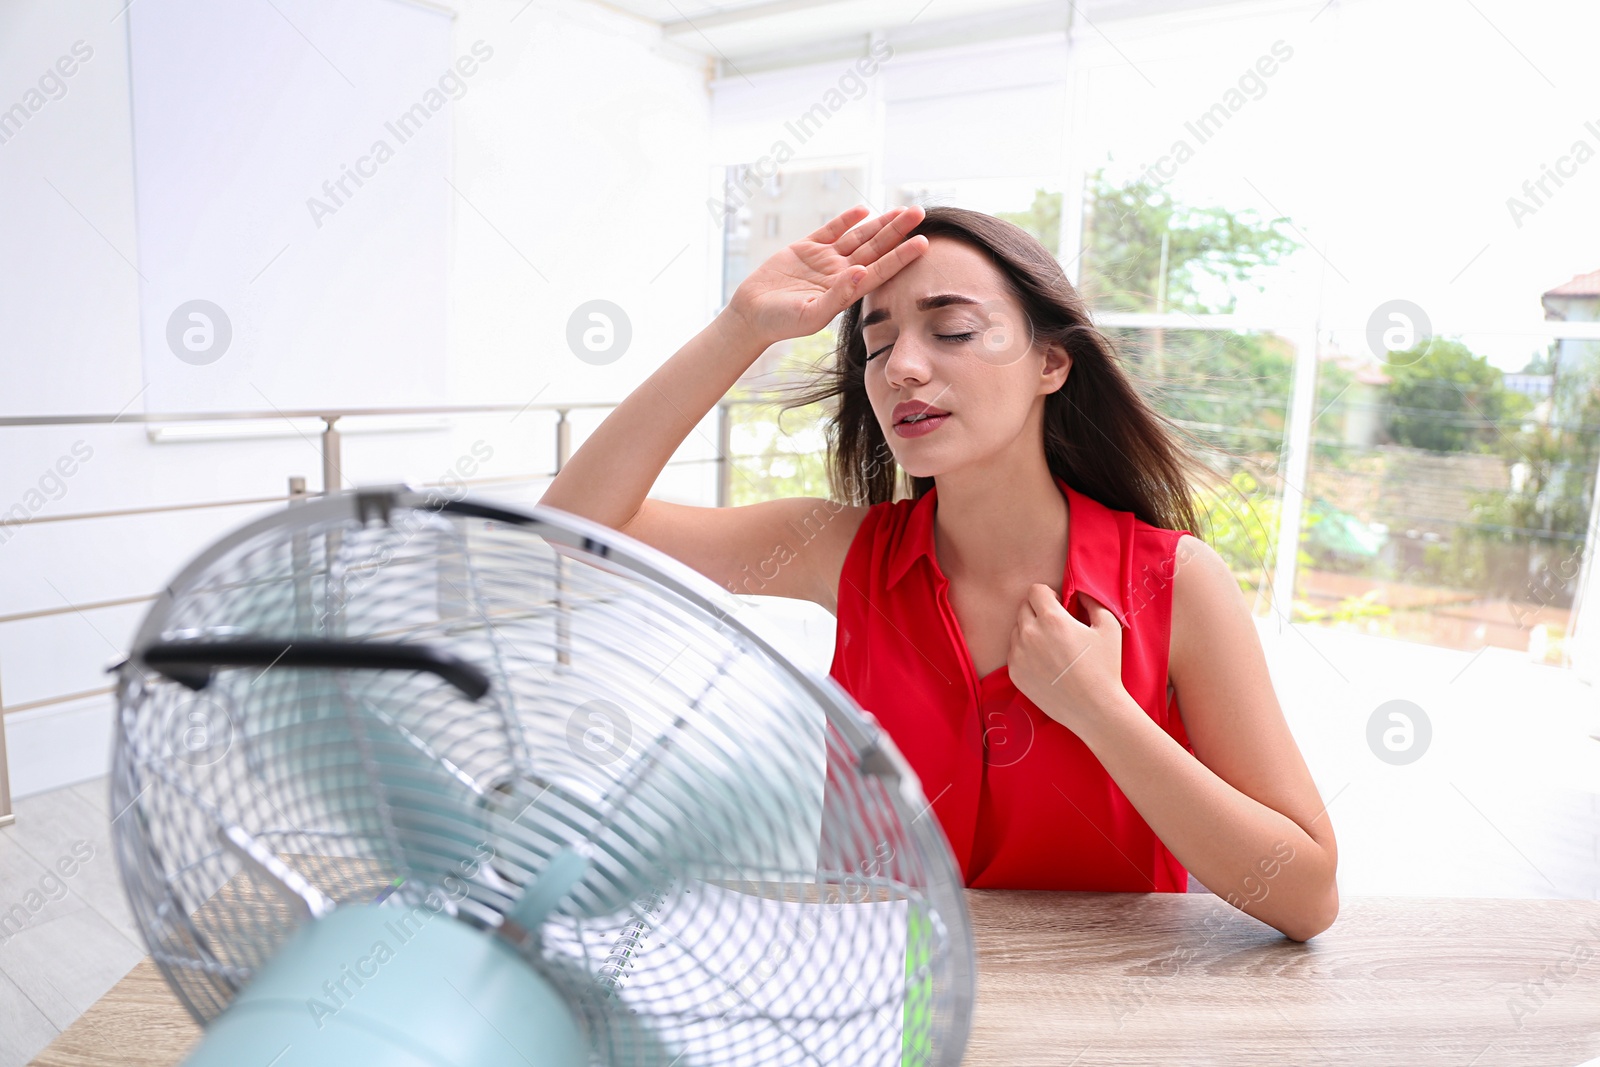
x=795, y=293
x=790, y=547
x=1242, y=813
x=610, y=474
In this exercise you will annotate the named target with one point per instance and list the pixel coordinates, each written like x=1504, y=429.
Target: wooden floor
x=149, y=1024
x=81, y=939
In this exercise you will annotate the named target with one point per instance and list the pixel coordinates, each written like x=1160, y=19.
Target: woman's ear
x=1057, y=365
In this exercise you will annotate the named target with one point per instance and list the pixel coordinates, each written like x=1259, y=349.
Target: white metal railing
x=1293, y=467
x=331, y=478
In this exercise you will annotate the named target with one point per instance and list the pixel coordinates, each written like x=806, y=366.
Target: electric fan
x=407, y=779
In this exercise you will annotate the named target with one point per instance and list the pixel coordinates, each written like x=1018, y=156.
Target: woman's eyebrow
x=927, y=303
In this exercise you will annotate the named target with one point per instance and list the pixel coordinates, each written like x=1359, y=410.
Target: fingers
x=850, y=245
x=1099, y=614
x=1088, y=604
x=891, y=264
x=893, y=230
x=884, y=237
x=830, y=231
x=847, y=288
x=1036, y=603
x=842, y=232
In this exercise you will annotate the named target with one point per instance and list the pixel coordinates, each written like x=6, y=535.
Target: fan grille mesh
x=753, y=896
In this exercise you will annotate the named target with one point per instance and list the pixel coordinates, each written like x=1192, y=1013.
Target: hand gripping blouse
x=1024, y=803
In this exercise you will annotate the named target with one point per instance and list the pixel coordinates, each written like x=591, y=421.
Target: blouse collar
x=1099, y=548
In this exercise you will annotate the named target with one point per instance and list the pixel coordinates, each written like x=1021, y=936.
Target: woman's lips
x=920, y=427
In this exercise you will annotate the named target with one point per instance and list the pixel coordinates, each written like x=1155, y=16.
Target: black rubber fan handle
x=191, y=662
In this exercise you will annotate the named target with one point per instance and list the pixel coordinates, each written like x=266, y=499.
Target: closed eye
x=958, y=338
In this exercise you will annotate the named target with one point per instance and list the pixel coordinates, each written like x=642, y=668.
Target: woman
x=1028, y=622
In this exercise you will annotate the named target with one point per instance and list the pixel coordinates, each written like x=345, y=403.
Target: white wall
x=569, y=190
x=292, y=167
x=995, y=111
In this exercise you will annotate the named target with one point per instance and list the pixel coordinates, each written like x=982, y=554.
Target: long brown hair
x=1100, y=434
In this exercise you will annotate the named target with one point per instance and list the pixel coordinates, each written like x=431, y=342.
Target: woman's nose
x=906, y=360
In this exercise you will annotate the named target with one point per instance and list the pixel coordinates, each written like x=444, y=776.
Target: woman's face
x=945, y=330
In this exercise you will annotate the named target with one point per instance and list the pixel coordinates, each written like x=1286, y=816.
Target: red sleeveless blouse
x=1024, y=803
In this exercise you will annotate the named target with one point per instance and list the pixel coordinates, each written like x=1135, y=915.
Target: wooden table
x=1090, y=979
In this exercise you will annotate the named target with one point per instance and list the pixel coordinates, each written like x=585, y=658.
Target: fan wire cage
x=302, y=725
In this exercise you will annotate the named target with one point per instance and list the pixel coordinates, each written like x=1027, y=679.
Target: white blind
x=291, y=160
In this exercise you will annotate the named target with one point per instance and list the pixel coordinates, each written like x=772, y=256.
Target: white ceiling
x=763, y=30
